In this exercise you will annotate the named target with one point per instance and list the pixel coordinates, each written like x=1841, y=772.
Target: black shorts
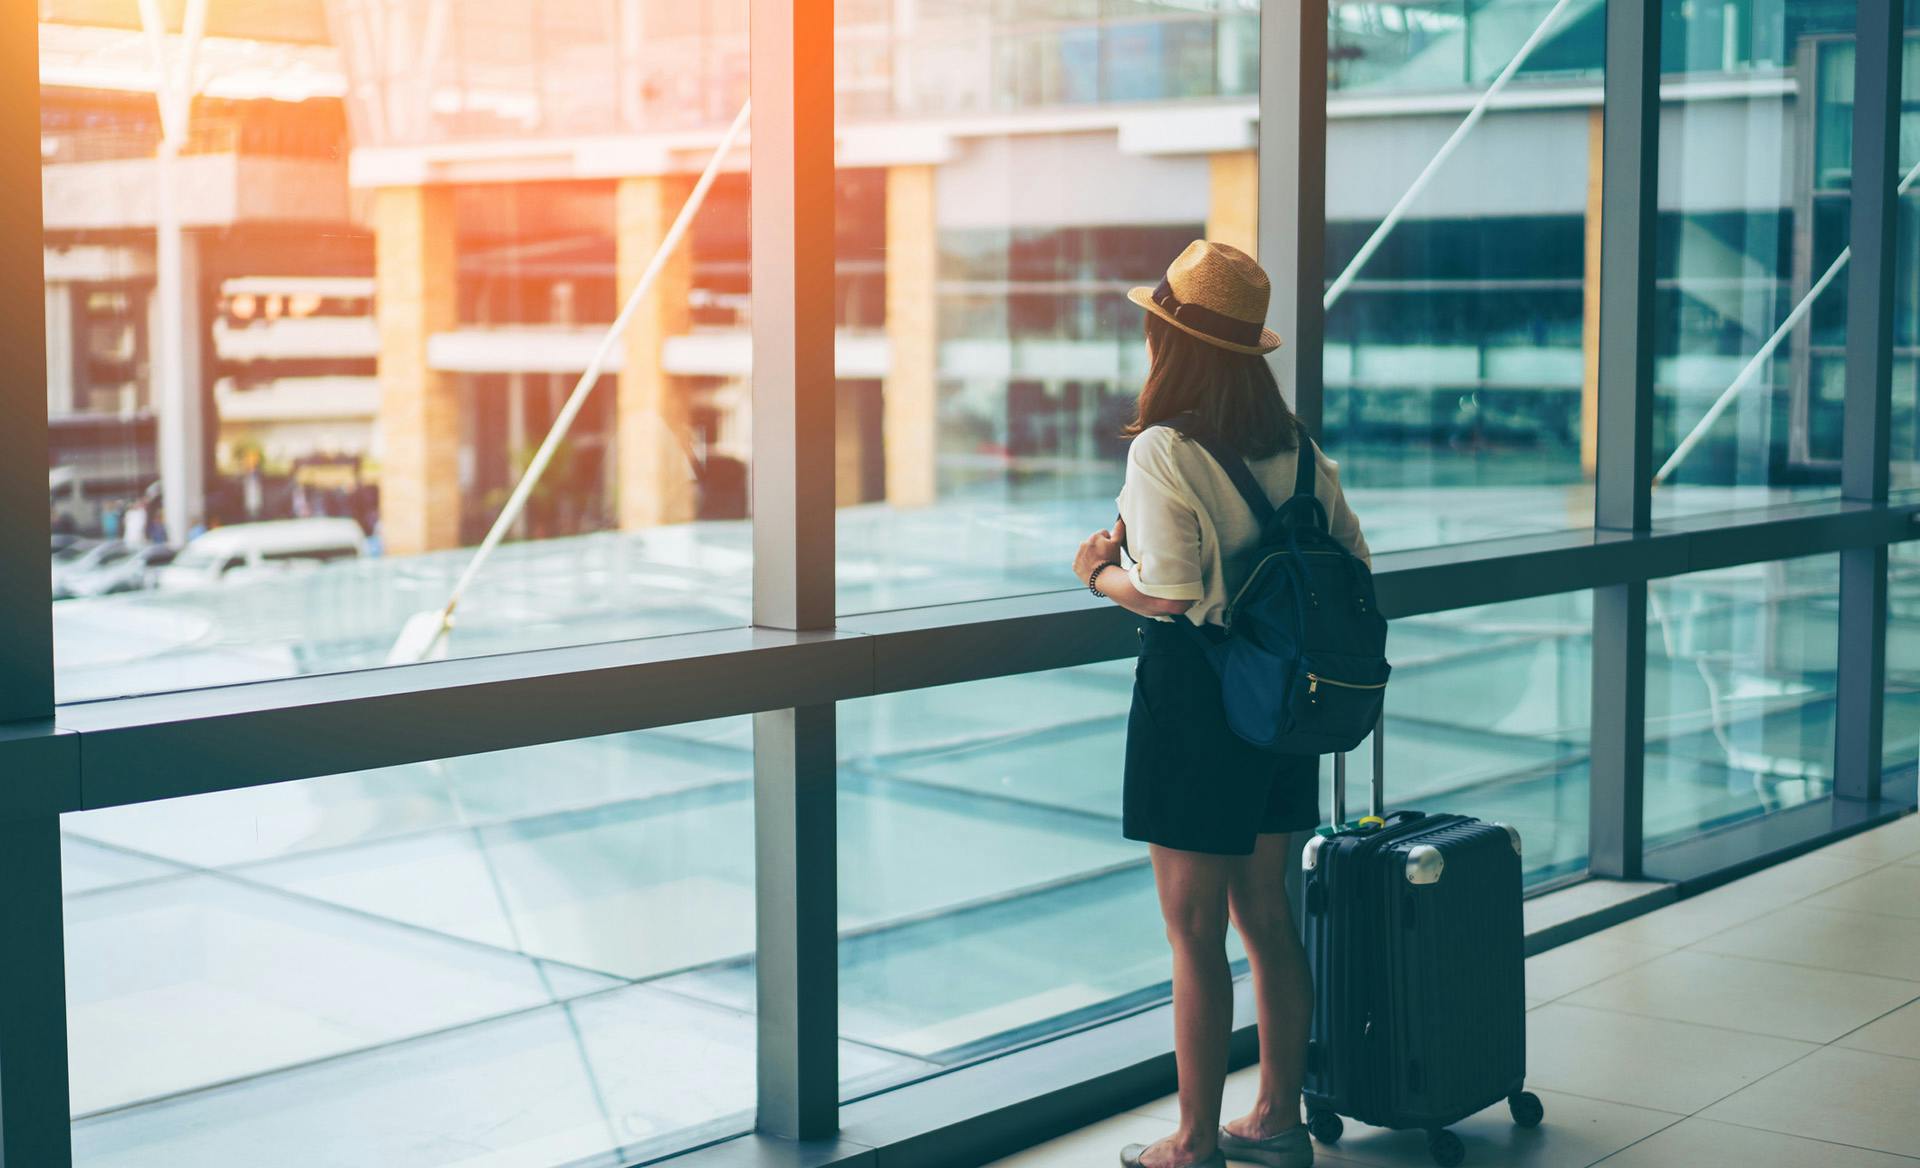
x=1191, y=782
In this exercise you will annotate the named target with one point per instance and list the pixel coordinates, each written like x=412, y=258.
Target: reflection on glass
x=1740, y=693
x=1452, y=44
x=1490, y=714
x=495, y=959
x=1462, y=313
x=1905, y=436
x=987, y=898
x=988, y=356
x=1901, y=731
x=397, y=233
x=1751, y=315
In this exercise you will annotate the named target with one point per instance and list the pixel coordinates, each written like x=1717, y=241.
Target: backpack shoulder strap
x=1304, y=506
x=1304, y=479
x=1231, y=462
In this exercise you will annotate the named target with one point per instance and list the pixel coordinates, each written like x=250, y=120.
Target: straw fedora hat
x=1216, y=293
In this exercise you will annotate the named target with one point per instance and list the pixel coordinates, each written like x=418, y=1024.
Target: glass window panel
x=1740, y=693
x=500, y=958
x=1461, y=361
x=1490, y=714
x=987, y=898
x=1750, y=333
x=1904, y=441
x=1901, y=733
x=402, y=231
x=988, y=356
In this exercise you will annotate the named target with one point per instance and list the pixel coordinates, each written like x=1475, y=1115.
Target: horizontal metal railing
x=138, y=749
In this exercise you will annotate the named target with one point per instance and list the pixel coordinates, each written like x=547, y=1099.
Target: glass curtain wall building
x=559, y=647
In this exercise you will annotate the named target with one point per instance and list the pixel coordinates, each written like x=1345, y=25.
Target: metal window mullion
x=26, y=598
x=1861, y=682
x=1629, y=244
x=1616, y=794
x=792, y=310
x=791, y=305
x=796, y=926
x=1629, y=240
x=1292, y=197
x=34, y=1129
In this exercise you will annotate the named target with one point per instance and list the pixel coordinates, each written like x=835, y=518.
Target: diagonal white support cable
x=1750, y=371
x=425, y=633
x=1341, y=283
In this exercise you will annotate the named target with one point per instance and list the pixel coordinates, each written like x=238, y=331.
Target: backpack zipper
x=1314, y=680
x=1260, y=567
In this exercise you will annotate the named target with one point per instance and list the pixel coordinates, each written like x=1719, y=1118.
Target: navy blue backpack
x=1303, y=665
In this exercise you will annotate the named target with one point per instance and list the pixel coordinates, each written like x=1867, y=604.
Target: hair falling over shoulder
x=1234, y=394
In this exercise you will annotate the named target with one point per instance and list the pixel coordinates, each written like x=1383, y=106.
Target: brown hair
x=1233, y=394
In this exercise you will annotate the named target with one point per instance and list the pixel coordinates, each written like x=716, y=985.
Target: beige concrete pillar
x=1590, y=301
x=910, y=409
x=655, y=479
x=849, y=447
x=1233, y=211
x=415, y=279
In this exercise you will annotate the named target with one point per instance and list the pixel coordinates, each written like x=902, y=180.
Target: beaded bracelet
x=1093, y=579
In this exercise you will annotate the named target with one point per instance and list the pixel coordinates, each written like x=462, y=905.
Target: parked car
x=114, y=567
x=67, y=500
x=252, y=551
x=68, y=557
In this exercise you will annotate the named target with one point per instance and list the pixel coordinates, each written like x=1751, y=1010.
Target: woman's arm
x=1103, y=547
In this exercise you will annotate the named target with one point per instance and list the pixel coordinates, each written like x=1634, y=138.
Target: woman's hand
x=1102, y=547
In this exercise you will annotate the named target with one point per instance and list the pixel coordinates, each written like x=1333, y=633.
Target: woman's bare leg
x=1193, y=901
x=1282, y=985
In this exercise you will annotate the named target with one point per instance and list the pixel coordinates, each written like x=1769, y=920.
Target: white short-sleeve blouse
x=1185, y=520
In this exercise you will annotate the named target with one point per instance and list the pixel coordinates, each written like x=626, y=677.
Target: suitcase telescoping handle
x=1378, y=801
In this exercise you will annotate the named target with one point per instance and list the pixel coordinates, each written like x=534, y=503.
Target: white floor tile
x=1828, y=938
x=1898, y=1033
x=1575, y=1133
x=1646, y=1062
x=1899, y=840
x=1585, y=898
x=1235, y=1101
x=1714, y=1005
x=1893, y=890
x=1800, y=878
x=1838, y=1095
x=1561, y=971
x=1702, y=1143
x=1759, y=997
x=1694, y=919
x=1099, y=1144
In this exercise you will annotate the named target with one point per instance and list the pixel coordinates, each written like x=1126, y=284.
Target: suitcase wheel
x=1325, y=1126
x=1527, y=1109
x=1446, y=1147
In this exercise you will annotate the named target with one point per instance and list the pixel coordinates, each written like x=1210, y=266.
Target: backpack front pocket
x=1337, y=699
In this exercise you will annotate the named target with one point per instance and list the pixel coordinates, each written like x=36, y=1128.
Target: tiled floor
x=1772, y=1023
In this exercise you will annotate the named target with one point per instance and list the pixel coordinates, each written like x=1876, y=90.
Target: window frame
x=797, y=660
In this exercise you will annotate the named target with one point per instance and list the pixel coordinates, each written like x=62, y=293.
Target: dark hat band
x=1203, y=319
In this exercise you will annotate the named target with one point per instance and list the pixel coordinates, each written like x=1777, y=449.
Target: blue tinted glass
x=1740, y=693
x=496, y=956
x=1750, y=360
x=1462, y=236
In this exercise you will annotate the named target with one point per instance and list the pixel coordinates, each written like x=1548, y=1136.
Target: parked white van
x=252, y=551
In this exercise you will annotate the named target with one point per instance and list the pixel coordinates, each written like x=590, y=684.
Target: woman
x=1218, y=813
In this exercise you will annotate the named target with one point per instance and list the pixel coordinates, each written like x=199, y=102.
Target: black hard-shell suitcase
x=1414, y=935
